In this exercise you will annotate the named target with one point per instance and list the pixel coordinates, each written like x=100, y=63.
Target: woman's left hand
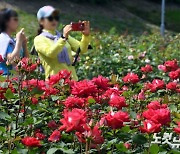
x=86, y=30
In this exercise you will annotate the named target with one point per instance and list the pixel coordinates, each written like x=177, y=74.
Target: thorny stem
x=19, y=92
x=87, y=147
x=149, y=144
x=114, y=135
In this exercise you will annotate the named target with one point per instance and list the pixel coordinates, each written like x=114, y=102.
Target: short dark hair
x=5, y=15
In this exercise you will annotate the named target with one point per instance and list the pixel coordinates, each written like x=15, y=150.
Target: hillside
x=124, y=16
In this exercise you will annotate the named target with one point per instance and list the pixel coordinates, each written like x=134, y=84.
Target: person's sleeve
x=83, y=44
x=47, y=47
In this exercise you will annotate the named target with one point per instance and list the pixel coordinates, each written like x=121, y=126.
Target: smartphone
x=77, y=26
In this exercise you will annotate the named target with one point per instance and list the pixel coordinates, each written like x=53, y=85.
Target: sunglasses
x=51, y=18
x=15, y=19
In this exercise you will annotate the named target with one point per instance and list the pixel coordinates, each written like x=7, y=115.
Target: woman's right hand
x=67, y=30
x=20, y=36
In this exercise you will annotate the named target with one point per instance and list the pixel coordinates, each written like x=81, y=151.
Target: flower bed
x=101, y=115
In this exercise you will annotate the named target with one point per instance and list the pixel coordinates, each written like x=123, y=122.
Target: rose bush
x=118, y=113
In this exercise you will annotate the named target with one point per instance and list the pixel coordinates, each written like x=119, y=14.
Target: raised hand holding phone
x=86, y=30
x=83, y=26
x=77, y=26
x=67, y=30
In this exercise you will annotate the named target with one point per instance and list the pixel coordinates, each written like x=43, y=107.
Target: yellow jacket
x=48, y=52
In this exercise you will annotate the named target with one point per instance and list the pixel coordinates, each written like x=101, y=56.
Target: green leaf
x=28, y=121
x=173, y=108
x=175, y=152
x=121, y=147
x=36, y=91
x=14, y=72
x=4, y=84
x=113, y=141
x=133, y=114
x=125, y=129
x=23, y=151
x=2, y=129
x=154, y=149
x=9, y=94
x=139, y=139
x=4, y=116
x=68, y=151
x=14, y=151
x=52, y=150
x=91, y=101
x=54, y=98
x=2, y=78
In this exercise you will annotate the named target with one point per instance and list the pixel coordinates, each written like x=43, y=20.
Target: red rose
x=1, y=72
x=148, y=68
x=1, y=59
x=141, y=95
x=31, y=142
x=162, y=67
x=73, y=120
x=155, y=85
x=148, y=114
x=115, y=120
x=92, y=133
x=81, y=138
x=34, y=83
x=110, y=91
x=131, y=78
x=158, y=84
x=32, y=67
x=177, y=129
x=127, y=145
x=64, y=74
x=34, y=100
x=171, y=65
x=51, y=91
x=97, y=138
x=40, y=136
x=172, y=85
x=161, y=116
x=74, y=102
x=178, y=90
x=26, y=64
x=55, y=136
x=117, y=101
x=154, y=105
x=84, y=88
x=101, y=82
x=52, y=124
x=124, y=88
x=54, y=79
x=174, y=74
x=150, y=127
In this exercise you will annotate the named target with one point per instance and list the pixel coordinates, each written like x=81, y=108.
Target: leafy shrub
x=89, y=116
x=114, y=54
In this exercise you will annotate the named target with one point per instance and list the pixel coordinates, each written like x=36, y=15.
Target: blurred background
x=134, y=16
x=121, y=31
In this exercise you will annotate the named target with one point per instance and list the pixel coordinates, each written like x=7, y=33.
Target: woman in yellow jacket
x=54, y=49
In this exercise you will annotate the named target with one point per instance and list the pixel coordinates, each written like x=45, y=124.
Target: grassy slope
x=152, y=12
x=101, y=17
x=120, y=16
